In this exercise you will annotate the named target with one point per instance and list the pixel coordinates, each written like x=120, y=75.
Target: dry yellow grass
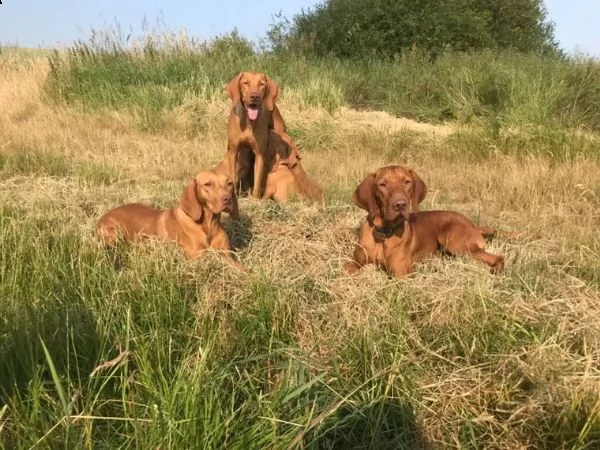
x=442, y=314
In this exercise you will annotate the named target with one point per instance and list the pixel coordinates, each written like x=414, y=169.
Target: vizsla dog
x=252, y=115
x=418, y=191
x=403, y=237
x=287, y=176
x=195, y=223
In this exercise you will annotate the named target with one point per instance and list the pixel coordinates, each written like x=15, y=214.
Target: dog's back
x=131, y=221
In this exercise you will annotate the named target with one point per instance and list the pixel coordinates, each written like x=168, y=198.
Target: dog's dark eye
x=208, y=184
x=382, y=184
x=407, y=182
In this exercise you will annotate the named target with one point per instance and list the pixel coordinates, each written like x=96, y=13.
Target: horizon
x=41, y=25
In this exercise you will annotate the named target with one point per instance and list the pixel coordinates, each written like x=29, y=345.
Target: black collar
x=380, y=234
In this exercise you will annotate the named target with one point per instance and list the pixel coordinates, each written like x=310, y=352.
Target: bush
x=353, y=28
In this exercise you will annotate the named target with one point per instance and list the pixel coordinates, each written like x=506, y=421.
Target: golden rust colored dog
x=286, y=175
x=195, y=223
x=371, y=203
x=400, y=236
x=252, y=115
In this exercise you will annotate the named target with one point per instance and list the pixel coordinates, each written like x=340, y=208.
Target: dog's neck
x=210, y=221
x=299, y=174
x=388, y=230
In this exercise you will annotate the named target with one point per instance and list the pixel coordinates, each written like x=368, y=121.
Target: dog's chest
x=378, y=254
x=385, y=245
x=202, y=240
x=394, y=247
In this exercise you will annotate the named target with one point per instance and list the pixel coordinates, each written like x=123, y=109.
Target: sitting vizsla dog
x=195, y=223
x=287, y=177
x=403, y=237
x=252, y=115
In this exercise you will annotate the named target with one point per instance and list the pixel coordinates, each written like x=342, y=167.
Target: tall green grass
x=129, y=348
x=158, y=73
x=108, y=350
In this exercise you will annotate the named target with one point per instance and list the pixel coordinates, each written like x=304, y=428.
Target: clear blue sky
x=49, y=23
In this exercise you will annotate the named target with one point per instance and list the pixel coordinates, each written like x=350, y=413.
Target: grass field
x=140, y=348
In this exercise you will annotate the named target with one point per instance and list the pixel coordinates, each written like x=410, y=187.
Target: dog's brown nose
x=400, y=204
x=227, y=200
x=254, y=96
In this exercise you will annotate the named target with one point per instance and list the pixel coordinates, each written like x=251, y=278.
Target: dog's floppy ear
x=419, y=191
x=233, y=89
x=364, y=196
x=272, y=93
x=190, y=203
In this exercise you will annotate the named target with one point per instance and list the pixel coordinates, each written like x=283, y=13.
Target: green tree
x=350, y=28
x=519, y=24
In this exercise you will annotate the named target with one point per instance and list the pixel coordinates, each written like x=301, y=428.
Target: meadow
x=136, y=347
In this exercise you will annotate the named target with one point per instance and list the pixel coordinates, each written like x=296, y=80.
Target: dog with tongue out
x=252, y=114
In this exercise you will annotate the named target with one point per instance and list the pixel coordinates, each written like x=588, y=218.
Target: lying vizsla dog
x=287, y=176
x=372, y=205
x=252, y=115
x=195, y=223
x=404, y=237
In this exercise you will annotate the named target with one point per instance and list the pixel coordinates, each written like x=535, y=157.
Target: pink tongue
x=252, y=113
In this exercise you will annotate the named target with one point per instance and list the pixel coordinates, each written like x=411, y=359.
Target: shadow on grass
x=382, y=424
x=69, y=333
x=239, y=231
